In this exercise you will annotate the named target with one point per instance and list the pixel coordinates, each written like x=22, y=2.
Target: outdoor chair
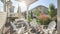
x=19, y=26
x=51, y=28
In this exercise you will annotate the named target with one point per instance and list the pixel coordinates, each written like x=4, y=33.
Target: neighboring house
x=40, y=8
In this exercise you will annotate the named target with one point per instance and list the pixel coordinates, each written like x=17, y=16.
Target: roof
x=39, y=6
x=43, y=6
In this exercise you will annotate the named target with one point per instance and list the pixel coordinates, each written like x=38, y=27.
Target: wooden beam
x=28, y=2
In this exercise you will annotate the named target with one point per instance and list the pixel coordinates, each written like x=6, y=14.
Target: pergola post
x=58, y=19
x=27, y=12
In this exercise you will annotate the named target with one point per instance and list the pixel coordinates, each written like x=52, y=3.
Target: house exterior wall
x=41, y=8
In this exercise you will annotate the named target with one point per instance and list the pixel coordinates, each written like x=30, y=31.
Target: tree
x=36, y=12
x=33, y=12
x=29, y=16
x=51, y=11
x=43, y=19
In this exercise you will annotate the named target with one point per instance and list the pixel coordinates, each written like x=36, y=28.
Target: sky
x=37, y=3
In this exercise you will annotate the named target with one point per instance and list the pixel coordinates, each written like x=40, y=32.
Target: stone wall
x=3, y=16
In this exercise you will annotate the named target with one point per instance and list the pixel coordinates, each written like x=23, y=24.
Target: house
x=41, y=9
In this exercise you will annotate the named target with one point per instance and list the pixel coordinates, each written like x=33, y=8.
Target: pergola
x=28, y=2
